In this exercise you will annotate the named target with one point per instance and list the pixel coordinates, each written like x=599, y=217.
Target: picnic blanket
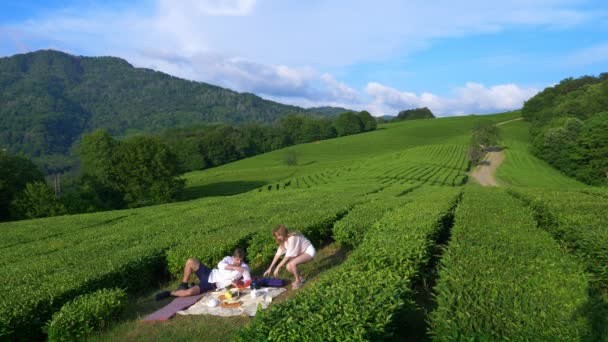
x=170, y=309
x=248, y=304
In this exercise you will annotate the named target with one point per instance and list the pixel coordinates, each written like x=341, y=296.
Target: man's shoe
x=162, y=295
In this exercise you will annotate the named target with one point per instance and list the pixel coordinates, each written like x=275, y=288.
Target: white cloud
x=211, y=7
x=231, y=72
x=473, y=98
x=337, y=90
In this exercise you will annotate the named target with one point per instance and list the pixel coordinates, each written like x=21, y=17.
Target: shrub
x=85, y=314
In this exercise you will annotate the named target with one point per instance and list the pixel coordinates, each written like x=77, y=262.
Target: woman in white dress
x=297, y=249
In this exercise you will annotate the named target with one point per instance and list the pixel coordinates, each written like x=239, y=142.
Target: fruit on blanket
x=228, y=295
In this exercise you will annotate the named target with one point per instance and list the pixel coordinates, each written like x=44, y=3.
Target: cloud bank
x=282, y=49
x=473, y=98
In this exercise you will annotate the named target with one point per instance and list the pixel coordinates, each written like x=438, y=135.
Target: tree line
x=202, y=147
x=144, y=170
x=570, y=127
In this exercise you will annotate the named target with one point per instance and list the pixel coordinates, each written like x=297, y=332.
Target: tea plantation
x=525, y=261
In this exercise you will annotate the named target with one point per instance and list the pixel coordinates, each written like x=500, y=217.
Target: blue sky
x=455, y=57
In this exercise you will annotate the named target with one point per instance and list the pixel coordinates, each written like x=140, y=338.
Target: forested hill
x=49, y=98
x=570, y=127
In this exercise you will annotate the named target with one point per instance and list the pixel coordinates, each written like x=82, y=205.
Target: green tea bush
x=503, y=278
x=86, y=314
x=576, y=219
x=351, y=229
x=358, y=301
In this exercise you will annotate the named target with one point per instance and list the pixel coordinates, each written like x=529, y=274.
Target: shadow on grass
x=596, y=312
x=412, y=323
x=219, y=189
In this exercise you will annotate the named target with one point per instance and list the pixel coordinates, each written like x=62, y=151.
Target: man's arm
x=225, y=264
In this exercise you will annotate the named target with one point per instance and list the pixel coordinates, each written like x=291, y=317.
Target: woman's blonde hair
x=281, y=230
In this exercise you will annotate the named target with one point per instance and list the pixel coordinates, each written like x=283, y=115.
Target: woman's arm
x=283, y=262
x=274, y=261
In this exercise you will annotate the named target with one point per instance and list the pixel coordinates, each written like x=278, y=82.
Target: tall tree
x=369, y=123
x=592, y=150
x=15, y=173
x=96, y=152
x=146, y=172
x=35, y=201
x=348, y=123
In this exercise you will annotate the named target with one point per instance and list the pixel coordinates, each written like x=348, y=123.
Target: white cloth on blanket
x=249, y=305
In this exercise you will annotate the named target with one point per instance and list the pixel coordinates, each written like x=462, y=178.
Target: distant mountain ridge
x=49, y=98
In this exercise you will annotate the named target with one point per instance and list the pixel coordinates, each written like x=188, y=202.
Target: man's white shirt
x=223, y=277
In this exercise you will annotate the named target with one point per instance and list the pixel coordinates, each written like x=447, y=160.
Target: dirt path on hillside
x=484, y=173
x=504, y=122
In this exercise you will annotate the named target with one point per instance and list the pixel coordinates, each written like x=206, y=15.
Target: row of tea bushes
x=578, y=220
x=359, y=300
x=85, y=314
x=503, y=278
x=351, y=230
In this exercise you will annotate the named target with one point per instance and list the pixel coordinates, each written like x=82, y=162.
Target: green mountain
x=49, y=98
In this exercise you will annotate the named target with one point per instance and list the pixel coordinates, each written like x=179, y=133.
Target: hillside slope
x=49, y=98
x=400, y=182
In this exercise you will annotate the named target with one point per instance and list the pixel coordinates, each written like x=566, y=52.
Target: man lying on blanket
x=230, y=271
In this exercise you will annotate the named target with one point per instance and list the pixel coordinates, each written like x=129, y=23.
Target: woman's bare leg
x=292, y=267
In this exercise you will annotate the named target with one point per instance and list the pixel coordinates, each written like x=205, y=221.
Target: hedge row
x=503, y=278
x=578, y=220
x=351, y=230
x=359, y=300
x=85, y=314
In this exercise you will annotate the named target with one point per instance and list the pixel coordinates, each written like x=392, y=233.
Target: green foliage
x=86, y=314
x=414, y=114
x=359, y=300
x=133, y=249
x=522, y=168
x=35, y=201
x=484, y=135
x=592, y=151
x=291, y=158
x=50, y=98
x=15, y=173
x=576, y=219
x=368, y=121
x=504, y=278
x=350, y=230
x=208, y=146
x=88, y=194
x=569, y=125
x=141, y=170
x=348, y=123
x=96, y=152
x=145, y=172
